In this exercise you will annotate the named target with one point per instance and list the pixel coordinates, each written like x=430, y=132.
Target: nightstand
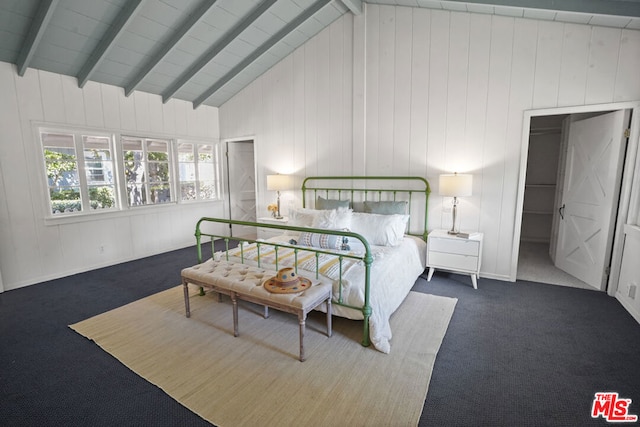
x=458, y=254
x=267, y=233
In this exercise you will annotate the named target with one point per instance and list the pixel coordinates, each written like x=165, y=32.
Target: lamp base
x=453, y=232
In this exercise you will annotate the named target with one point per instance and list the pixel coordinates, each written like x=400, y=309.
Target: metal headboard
x=376, y=188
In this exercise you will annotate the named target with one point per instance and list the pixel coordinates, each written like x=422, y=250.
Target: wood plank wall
x=402, y=90
x=32, y=250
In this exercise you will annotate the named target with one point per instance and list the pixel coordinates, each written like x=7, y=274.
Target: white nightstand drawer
x=453, y=261
x=454, y=245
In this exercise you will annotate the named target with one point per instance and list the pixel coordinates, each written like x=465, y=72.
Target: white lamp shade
x=456, y=185
x=277, y=182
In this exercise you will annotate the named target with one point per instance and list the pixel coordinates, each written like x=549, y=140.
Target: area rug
x=257, y=379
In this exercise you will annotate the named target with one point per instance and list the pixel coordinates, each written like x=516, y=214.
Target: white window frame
x=147, y=184
x=197, y=179
x=117, y=153
x=78, y=145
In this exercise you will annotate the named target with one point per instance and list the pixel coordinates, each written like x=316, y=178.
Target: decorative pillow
x=381, y=230
x=352, y=244
x=322, y=241
x=303, y=217
x=334, y=219
x=386, y=207
x=323, y=203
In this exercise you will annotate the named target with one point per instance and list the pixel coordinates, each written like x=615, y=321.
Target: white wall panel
x=627, y=80
x=547, y=65
x=371, y=70
x=52, y=97
x=141, y=106
x=475, y=124
x=92, y=102
x=603, y=62
x=73, y=101
x=111, y=106
x=456, y=103
x=493, y=163
x=419, y=109
x=381, y=158
x=34, y=249
x=127, y=109
x=573, y=68
x=444, y=91
x=401, y=137
x=437, y=119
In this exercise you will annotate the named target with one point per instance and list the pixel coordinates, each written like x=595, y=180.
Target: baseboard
x=495, y=276
x=631, y=309
x=84, y=269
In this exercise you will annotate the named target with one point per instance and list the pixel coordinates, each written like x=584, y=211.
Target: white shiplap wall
x=300, y=112
x=32, y=250
x=402, y=90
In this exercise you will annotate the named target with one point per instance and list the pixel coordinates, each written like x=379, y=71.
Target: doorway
x=543, y=185
x=241, y=186
x=541, y=242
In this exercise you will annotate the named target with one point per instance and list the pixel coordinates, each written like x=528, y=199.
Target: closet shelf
x=540, y=185
x=538, y=212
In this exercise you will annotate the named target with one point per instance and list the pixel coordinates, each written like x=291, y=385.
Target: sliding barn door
x=590, y=197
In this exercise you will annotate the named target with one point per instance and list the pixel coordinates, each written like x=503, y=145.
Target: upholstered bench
x=244, y=282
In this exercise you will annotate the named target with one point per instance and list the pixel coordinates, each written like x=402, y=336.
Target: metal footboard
x=204, y=231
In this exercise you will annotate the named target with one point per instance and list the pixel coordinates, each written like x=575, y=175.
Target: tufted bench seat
x=241, y=281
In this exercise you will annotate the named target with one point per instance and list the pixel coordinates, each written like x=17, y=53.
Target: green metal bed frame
x=375, y=193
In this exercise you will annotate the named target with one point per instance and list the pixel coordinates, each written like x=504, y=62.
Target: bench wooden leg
x=329, y=331
x=187, y=309
x=234, y=302
x=302, y=319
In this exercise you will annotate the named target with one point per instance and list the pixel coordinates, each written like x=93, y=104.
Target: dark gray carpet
x=521, y=353
x=529, y=354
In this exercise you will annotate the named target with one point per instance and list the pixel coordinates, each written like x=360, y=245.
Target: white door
x=241, y=182
x=590, y=196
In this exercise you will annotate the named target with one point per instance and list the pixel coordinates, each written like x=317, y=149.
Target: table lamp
x=277, y=183
x=455, y=185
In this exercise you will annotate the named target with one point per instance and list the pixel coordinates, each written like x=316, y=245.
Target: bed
x=366, y=235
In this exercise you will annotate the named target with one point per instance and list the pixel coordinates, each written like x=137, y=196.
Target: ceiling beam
x=602, y=7
x=167, y=47
x=308, y=13
x=36, y=31
x=106, y=43
x=355, y=6
x=216, y=49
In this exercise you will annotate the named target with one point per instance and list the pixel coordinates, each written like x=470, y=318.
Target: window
x=197, y=165
x=88, y=171
x=146, y=170
x=79, y=171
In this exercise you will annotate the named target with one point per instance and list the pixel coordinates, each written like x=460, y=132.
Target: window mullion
x=82, y=173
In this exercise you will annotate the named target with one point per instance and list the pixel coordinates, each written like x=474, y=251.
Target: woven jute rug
x=256, y=378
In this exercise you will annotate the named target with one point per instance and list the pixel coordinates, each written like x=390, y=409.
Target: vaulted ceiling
x=205, y=51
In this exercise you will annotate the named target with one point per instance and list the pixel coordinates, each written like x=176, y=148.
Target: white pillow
x=334, y=219
x=302, y=217
x=381, y=230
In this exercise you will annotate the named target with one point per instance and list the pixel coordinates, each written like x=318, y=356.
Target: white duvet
x=393, y=273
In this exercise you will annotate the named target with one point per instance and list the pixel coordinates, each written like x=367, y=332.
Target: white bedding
x=393, y=274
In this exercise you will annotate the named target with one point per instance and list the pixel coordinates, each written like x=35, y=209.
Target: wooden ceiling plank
x=291, y=26
x=125, y=16
x=183, y=29
x=36, y=31
x=216, y=49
